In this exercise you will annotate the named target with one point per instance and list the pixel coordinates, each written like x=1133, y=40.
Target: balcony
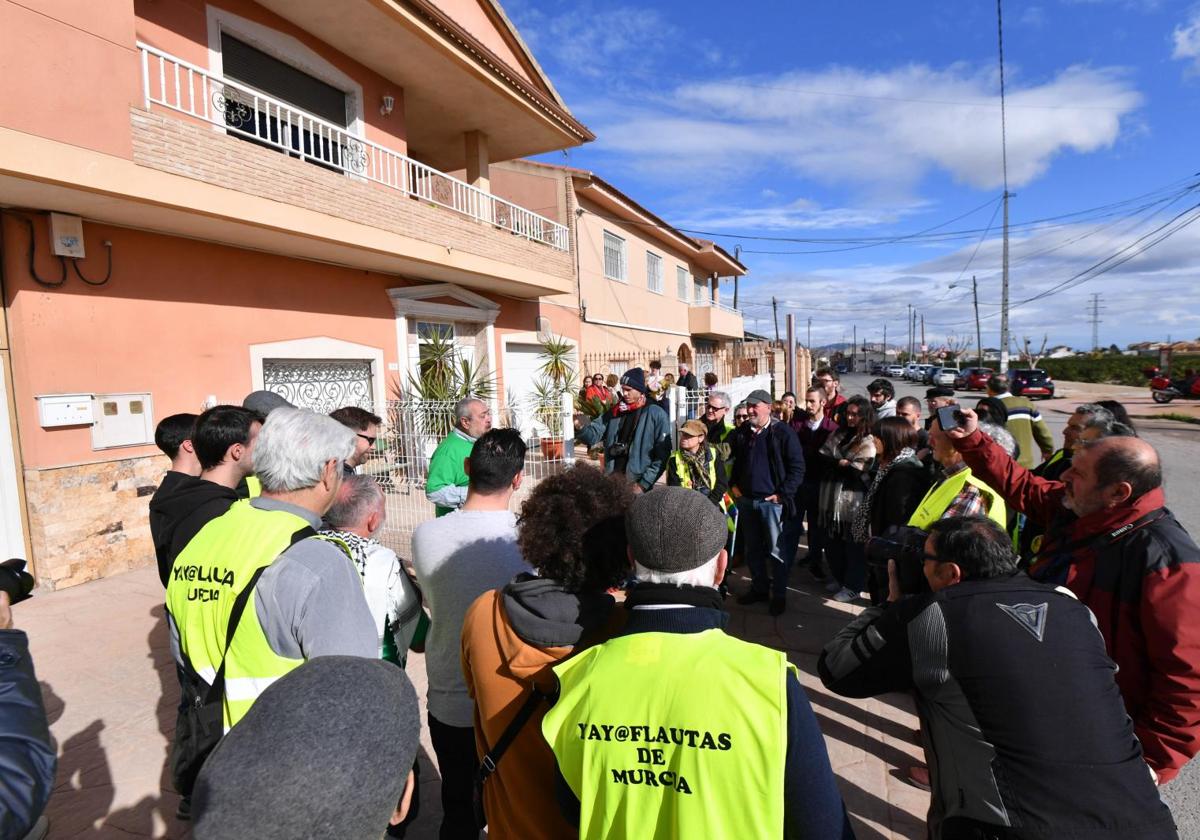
x=713, y=320
x=176, y=85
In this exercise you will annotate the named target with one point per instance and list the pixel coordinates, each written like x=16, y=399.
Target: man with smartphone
x=958, y=492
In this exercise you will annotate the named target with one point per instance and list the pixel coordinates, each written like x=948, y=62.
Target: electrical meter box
x=66, y=236
x=123, y=420
x=56, y=410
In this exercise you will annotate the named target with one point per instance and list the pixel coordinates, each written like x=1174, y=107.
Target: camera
x=618, y=450
x=906, y=545
x=14, y=580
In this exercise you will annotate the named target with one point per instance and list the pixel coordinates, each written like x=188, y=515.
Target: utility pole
x=924, y=352
x=737, y=257
x=978, y=333
x=1095, y=319
x=854, y=352
x=908, y=326
x=775, y=316
x=790, y=359
x=810, y=334
x=885, y=343
x=1004, y=165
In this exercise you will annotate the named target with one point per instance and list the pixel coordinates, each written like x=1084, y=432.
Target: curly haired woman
x=571, y=529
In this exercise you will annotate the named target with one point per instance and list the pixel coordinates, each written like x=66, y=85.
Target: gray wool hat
x=264, y=402
x=323, y=752
x=674, y=529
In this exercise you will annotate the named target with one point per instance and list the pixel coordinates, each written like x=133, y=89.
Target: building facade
x=198, y=200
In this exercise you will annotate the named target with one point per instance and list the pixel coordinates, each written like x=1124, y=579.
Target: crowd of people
x=580, y=678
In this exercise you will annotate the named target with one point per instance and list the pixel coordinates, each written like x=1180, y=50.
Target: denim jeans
x=760, y=527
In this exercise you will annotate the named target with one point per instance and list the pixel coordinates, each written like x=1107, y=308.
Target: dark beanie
x=674, y=529
x=323, y=752
x=635, y=378
x=996, y=409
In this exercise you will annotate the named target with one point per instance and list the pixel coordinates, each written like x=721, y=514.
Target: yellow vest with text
x=668, y=735
x=207, y=576
x=941, y=495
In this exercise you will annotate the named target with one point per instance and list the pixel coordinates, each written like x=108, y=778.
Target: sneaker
x=752, y=597
x=778, y=606
x=846, y=596
x=833, y=586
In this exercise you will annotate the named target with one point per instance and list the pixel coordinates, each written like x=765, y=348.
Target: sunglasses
x=711, y=407
x=741, y=417
x=370, y=440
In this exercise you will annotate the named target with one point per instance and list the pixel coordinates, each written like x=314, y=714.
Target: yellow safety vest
x=668, y=735
x=254, y=486
x=205, y=581
x=685, y=480
x=941, y=495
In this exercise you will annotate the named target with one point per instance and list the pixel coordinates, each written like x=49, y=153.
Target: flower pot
x=552, y=448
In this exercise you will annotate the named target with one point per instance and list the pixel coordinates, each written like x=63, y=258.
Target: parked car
x=910, y=370
x=946, y=376
x=1031, y=383
x=928, y=372
x=973, y=379
x=895, y=371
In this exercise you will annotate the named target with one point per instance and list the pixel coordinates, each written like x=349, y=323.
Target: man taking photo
x=1023, y=724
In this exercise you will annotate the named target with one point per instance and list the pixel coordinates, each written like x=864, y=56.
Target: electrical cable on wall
x=37, y=278
x=107, y=274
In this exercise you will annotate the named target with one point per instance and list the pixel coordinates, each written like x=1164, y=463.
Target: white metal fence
x=414, y=428
x=180, y=86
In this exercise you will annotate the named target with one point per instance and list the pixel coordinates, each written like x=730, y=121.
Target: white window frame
x=683, y=279
x=654, y=272
x=701, y=296
x=319, y=347
x=622, y=256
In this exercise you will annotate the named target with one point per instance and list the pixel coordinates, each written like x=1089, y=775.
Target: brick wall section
x=197, y=151
x=91, y=521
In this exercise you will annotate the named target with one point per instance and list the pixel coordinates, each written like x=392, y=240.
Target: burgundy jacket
x=1138, y=571
x=811, y=441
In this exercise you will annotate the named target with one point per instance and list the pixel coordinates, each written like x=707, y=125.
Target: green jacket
x=446, y=483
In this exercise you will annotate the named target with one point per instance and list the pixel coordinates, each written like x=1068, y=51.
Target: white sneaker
x=846, y=596
x=833, y=586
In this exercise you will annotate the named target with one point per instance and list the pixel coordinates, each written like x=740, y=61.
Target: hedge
x=1116, y=370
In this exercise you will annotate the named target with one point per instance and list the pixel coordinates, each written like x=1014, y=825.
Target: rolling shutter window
x=244, y=63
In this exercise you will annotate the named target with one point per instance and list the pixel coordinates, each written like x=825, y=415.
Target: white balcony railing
x=175, y=84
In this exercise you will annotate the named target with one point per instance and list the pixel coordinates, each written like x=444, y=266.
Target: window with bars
x=614, y=257
x=682, y=279
x=654, y=273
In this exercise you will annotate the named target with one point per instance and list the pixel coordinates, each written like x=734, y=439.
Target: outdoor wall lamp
x=389, y=102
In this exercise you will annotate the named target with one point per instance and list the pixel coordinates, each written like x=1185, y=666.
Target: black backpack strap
x=217, y=689
x=487, y=766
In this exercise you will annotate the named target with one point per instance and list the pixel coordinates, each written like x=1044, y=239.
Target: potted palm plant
x=556, y=377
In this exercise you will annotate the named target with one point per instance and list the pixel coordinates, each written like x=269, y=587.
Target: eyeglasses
x=711, y=407
x=370, y=440
x=737, y=417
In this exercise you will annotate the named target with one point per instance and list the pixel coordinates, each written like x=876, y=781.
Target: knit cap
x=674, y=529
x=323, y=752
x=634, y=378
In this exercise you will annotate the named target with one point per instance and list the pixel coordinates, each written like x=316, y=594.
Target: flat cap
x=939, y=391
x=674, y=529
x=694, y=427
x=758, y=396
x=264, y=402
x=323, y=752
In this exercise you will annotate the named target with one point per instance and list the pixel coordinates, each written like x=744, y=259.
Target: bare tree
x=1028, y=355
x=957, y=345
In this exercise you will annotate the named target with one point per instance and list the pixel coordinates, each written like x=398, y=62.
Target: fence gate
x=414, y=428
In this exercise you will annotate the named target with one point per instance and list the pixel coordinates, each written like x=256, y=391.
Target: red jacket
x=1138, y=571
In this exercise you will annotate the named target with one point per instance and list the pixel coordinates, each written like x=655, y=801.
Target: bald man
x=1110, y=540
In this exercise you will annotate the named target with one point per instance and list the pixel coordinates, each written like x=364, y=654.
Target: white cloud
x=1034, y=16
x=1187, y=40
x=883, y=130
x=800, y=214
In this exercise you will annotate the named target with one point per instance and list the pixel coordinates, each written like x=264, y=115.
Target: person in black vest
x=1024, y=727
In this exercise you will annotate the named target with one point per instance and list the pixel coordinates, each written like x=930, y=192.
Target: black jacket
x=27, y=759
x=179, y=511
x=784, y=456
x=1025, y=730
x=897, y=497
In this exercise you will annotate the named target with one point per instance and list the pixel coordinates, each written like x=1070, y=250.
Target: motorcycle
x=1163, y=390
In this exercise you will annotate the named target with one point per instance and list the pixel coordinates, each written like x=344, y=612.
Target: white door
x=12, y=532
x=521, y=364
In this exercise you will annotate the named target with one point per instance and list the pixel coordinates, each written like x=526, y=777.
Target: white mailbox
x=55, y=410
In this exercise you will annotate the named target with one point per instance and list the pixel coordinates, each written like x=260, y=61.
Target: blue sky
x=859, y=123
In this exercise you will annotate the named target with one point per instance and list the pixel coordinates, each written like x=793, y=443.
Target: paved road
x=1178, y=445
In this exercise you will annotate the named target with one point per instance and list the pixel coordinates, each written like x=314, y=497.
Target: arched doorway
x=684, y=355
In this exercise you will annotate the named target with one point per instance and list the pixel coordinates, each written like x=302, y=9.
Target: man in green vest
x=304, y=598
x=446, y=483
x=676, y=729
x=957, y=493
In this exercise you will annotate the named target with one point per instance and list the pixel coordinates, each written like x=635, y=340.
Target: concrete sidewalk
x=102, y=655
